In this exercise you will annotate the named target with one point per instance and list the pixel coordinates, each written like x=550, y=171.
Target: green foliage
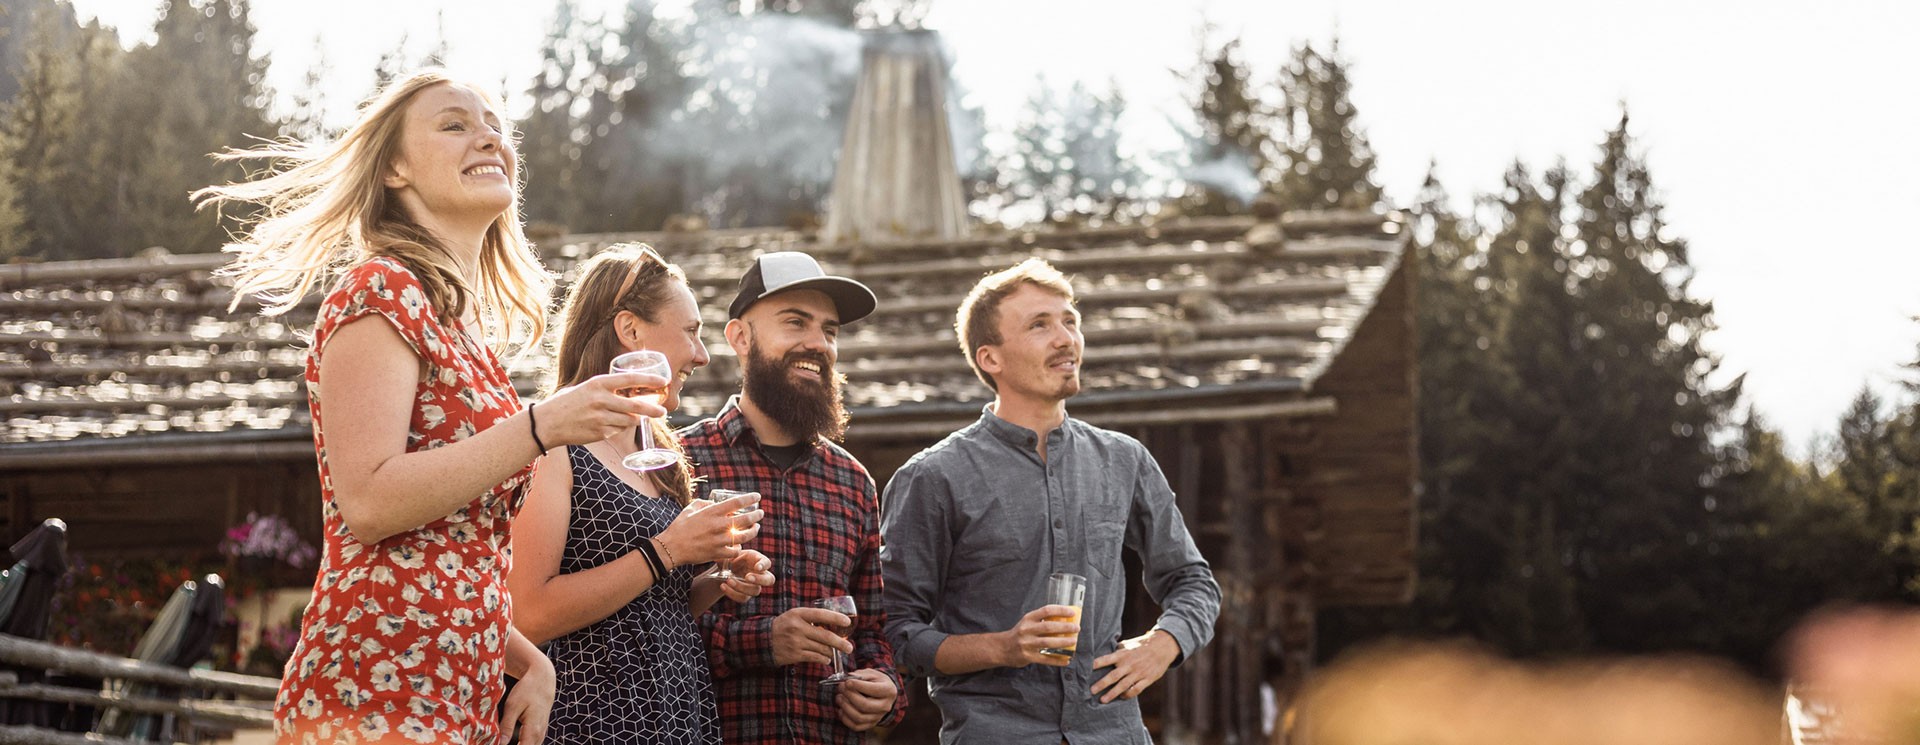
x=1587, y=486
x=1297, y=140
x=55, y=166
x=88, y=185
x=1067, y=161
x=1229, y=151
x=1324, y=161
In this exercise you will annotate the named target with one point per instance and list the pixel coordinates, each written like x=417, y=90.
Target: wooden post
x=1240, y=702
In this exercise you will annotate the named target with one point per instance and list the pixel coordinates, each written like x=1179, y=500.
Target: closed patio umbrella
x=26, y=602
x=181, y=636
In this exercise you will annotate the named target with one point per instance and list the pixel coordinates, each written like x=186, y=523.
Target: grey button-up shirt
x=971, y=528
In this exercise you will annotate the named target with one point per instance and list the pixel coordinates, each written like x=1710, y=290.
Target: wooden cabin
x=1267, y=363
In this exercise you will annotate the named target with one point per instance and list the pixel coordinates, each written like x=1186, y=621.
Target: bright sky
x=1782, y=134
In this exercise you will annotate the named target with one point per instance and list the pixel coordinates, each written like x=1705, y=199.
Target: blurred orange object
x=1452, y=694
x=1865, y=664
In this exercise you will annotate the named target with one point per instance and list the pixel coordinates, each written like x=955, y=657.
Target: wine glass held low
x=721, y=495
x=647, y=361
x=843, y=605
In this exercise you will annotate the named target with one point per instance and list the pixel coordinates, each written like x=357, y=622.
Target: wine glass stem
x=646, y=433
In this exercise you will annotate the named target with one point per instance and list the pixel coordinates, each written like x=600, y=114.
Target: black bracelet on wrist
x=533, y=426
x=652, y=556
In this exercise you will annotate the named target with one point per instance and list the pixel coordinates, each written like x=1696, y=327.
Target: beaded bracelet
x=669, y=552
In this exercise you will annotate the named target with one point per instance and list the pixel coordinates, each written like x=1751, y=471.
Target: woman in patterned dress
x=424, y=449
x=631, y=664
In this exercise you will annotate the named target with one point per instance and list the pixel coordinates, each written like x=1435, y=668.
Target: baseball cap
x=792, y=270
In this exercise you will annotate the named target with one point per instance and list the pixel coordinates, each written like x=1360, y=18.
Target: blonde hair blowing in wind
x=325, y=210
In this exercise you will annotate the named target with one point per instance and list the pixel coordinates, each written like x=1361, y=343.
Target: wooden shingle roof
x=141, y=353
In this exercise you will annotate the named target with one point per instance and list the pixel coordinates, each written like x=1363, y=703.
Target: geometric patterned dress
x=405, y=640
x=639, y=675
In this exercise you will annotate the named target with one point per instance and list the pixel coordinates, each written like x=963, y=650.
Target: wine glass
x=844, y=605
x=647, y=361
x=722, y=495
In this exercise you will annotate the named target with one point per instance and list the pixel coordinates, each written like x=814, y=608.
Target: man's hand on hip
x=1138, y=663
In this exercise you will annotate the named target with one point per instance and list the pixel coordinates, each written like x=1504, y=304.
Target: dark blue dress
x=639, y=675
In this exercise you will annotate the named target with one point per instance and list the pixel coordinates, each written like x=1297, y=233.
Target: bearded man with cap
x=821, y=524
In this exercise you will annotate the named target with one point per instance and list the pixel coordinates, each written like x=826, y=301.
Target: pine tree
x=392, y=65
x=982, y=172
x=1454, y=332
x=199, y=89
x=1643, y=460
x=60, y=170
x=1229, y=153
x=552, y=135
x=634, y=168
x=1067, y=161
x=1325, y=161
x=1523, y=594
x=1781, y=543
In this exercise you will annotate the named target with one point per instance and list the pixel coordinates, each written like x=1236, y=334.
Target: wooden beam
x=145, y=339
x=203, y=711
x=12, y=734
x=15, y=650
x=137, y=453
x=1244, y=326
x=1100, y=297
x=141, y=370
x=935, y=429
x=255, y=399
x=1223, y=349
x=23, y=275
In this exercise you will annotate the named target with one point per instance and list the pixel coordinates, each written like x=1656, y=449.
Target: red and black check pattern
x=821, y=530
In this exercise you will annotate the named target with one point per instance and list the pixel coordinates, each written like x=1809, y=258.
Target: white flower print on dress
x=373, y=727
x=386, y=676
x=411, y=657
x=449, y=643
x=405, y=556
x=416, y=730
x=448, y=563
x=413, y=300
x=421, y=619
x=309, y=704
x=370, y=640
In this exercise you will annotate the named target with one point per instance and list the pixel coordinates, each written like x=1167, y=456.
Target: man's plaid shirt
x=821, y=530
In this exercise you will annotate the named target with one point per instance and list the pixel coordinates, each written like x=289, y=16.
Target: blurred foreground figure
x=1864, y=663
x=1436, y=694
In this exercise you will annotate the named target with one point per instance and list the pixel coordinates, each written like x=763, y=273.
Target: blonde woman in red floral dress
x=424, y=448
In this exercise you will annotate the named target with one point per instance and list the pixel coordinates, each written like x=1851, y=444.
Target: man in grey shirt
x=972, y=527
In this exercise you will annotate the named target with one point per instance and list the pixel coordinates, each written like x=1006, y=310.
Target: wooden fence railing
x=244, y=701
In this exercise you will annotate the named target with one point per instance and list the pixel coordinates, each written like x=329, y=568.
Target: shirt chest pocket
x=1106, y=538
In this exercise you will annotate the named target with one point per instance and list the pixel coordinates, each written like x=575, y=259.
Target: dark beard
x=805, y=410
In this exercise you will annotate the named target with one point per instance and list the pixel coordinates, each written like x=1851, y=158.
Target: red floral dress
x=405, y=640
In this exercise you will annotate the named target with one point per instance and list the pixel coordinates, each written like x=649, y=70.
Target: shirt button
x=1059, y=524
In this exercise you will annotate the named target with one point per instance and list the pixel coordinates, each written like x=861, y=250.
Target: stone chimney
x=896, y=178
